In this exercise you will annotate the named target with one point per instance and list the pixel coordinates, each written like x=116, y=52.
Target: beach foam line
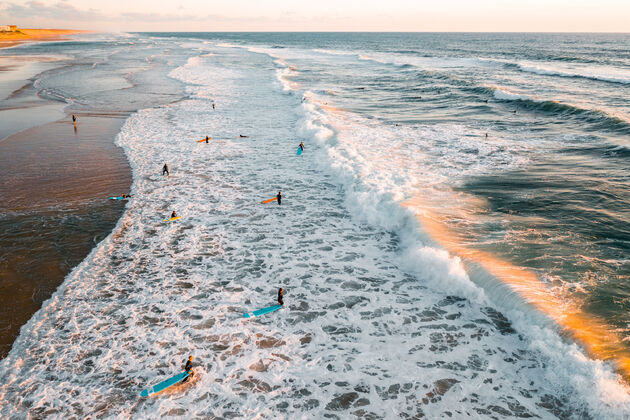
x=598, y=338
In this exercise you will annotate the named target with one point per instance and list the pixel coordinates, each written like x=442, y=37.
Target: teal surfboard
x=164, y=384
x=116, y=198
x=299, y=152
x=262, y=311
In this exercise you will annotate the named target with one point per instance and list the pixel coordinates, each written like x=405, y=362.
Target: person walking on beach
x=279, y=197
x=188, y=368
x=280, y=297
x=165, y=170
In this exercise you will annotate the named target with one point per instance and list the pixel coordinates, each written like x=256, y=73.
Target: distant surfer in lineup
x=213, y=105
x=165, y=170
x=243, y=137
x=302, y=146
x=279, y=197
x=280, y=299
x=174, y=214
x=188, y=369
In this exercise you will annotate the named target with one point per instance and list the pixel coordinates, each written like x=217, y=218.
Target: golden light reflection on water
x=592, y=333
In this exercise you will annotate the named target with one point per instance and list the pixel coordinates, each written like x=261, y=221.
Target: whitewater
x=379, y=320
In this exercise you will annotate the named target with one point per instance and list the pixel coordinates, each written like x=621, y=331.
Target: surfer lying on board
x=243, y=137
x=280, y=300
x=279, y=197
x=165, y=170
x=188, y=368
x=174, y=214
x=302, y=145
x=126, y=195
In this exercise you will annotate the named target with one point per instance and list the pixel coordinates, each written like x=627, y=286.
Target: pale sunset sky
x=322, y=15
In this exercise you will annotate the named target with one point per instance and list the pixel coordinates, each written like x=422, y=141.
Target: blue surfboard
x=164, y=384
x=116, y=198
x=299, y=152
x=262, y=311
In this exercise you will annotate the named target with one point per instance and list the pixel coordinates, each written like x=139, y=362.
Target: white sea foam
x=507, y=95
x=592, y=72
x=376, y=319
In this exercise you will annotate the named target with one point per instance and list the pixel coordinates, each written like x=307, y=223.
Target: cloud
x=36, y=9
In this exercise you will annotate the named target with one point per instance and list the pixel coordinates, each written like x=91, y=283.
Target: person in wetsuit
x=174, y=214
x=74, y=119
x=243, y=137
x=213, y=105
x=188, y=368
x=279, y=197
x=126, y=195
x=207, y=138
x=165, y=170
x=302, y=145
x=280, y=299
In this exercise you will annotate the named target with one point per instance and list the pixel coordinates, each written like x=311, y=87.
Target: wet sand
x=54, y=208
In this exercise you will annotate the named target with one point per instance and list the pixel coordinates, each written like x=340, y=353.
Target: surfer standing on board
x=280, y=300
x=207, y=138
x=74, y=119
x=165, y=170
x=188, y=368
x=302, y=145
x=279, y=197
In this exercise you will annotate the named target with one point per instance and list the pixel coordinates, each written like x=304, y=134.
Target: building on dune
x=8, y=28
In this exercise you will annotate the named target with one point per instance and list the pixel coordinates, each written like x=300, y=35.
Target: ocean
x=453, y=242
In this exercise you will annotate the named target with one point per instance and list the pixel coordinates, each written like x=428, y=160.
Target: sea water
x=455, y=227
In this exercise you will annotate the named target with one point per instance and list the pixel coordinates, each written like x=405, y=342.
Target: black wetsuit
x=207, y=138
x=74, y=119
x=188, y=368
x=280, y=300
x=165, y=170
x=173, y=215
x=279, y=197
x=302, y=146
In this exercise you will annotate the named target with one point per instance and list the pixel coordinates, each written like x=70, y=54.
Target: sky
x=321, y=15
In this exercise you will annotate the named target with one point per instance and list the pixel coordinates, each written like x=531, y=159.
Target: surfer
x=165, y=170
x=302, y=145
x=174, y=214
x=280, y=300
x=212, y=105
x=279, y=197
x=74, y=119
x=243, y=137
x=126, y=195
x=207, y=138
x=188, y=368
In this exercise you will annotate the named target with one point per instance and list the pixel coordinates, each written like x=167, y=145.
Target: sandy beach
x=56, y=184
x=10, y=39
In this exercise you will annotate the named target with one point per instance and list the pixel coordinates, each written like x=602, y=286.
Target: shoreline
x=12, y=39
x=56, y=211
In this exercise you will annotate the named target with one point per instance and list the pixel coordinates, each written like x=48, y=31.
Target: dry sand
x=9, y=39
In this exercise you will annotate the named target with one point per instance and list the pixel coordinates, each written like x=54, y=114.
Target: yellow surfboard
x=172, y=218
x=269, y=201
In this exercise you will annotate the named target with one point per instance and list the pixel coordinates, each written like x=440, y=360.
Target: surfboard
x=164, y=384
x=299, y=151
x=172, y=218
x=269, y=201
x=118, y=198
x=262, y=311
x=202, y=140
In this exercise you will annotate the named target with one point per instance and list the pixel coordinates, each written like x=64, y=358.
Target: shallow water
x=378, y=319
